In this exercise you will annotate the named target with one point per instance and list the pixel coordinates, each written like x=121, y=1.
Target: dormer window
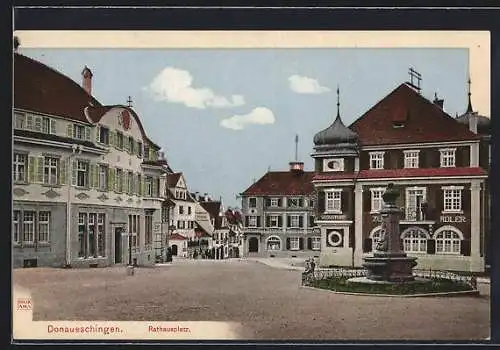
x=411, y=158
x=78, y=132
x=252, y=202
x=447, y=157
x=376, y=160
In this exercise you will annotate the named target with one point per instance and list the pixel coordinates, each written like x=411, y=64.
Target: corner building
x=87, y=181
x=440, y=166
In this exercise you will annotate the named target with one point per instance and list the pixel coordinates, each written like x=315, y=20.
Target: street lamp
x=75, y=149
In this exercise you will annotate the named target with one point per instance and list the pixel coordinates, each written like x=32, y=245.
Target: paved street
x=266, y=300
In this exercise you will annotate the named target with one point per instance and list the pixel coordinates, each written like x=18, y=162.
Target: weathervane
x=338, y=102
x=129, y=102
x=469, y=107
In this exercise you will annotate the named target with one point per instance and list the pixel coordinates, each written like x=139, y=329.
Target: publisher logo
x=24, y=304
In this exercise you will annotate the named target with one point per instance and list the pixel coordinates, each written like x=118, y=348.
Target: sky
x=225, y=116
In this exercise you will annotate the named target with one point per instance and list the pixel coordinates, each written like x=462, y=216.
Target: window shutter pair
x=74, y=172
x=139, y=185
x=301, y=221
x=367, y=245
x=69, y=130
x=53, y=126
x=62, y=172
x=111, y=179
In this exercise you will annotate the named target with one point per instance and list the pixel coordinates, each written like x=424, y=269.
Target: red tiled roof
x=423, y=121
x=282, y=183
x=173, y=179
x=334, y=176
x=407, y=173
x=40, y=88
x=176, y=236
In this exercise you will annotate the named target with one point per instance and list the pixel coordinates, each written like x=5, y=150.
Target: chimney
x=206, y=197
x=297, y=167
x=87, y=80
x=473, y=122
x=438, y=102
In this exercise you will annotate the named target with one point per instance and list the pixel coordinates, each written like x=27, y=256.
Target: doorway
x=174, y=249
x=118, y=245
x=253, y=245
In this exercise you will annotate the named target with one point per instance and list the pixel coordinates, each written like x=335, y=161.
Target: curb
x=445, y=294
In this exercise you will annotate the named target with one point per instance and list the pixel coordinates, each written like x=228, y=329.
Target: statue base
x=390, y=267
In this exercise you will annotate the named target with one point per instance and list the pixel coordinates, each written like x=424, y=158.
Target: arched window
x=415, y=240
x=448, y=239
x=273, y=243
x=375, y=236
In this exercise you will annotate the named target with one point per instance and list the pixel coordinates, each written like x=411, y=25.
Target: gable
x=422, y=121
x=181, y=183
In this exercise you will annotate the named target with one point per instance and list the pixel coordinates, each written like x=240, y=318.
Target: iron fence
x=325, y=273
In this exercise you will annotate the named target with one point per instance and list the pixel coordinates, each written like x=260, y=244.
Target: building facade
x=77, y=161
x=279, y=216
x=437, y=163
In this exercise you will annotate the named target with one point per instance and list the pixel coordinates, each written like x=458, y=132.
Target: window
x=447, y=157
x=78, y=132
x=415, y=199
x=20, y=119
x=294, y=243
x=16, y=218
x=46, y=125
x=411, y=159
x=43, y=226
x=29, y=122
x=119, y=140
x=103, y=177
x=452, y=196
x=131, y=144
x=377, y=201
x=29, y=227
x=274, y=221
x=189, y=210
x=146, y=152
x=293, y=202
x=273, y=243
x=274, y=202
x=82, y=223
x=414, y=240
x=82, y=174
x=315, y=243
x=376, y=160
x=101, y=237
x=148, y=181
x=294, y=221
x=333, y=201
x=19, y=168
x=252, y=221
x=50, y=170
x=181, y=209
x=252, y=202
x=448, y=241
x=148, y=221
x=133, y=228
x=91, y=231
x=139, y=148
x=104, y=135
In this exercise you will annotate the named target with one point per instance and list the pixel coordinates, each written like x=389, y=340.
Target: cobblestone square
x=267, y=301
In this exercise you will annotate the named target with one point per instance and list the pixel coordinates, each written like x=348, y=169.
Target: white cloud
x=305, y=85
x=259, y=115
x=175, y=85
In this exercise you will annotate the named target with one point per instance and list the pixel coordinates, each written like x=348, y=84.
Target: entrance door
x=174, y=249
x=118, y=245
x=253, y=245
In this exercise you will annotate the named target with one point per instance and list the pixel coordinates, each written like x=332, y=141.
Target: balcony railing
x=414, y=214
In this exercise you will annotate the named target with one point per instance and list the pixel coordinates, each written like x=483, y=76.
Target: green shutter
x=69, y=130
x=154, y=189
x=53, y=126
x=74, y=167
x=98, y=133
x=87, y=133
x=39, y=167
x=111, y=138
x=143, y=186
x=62, y=172
x=111, y=179
x=139, y=185
x=31, y=169
x=151, y=154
